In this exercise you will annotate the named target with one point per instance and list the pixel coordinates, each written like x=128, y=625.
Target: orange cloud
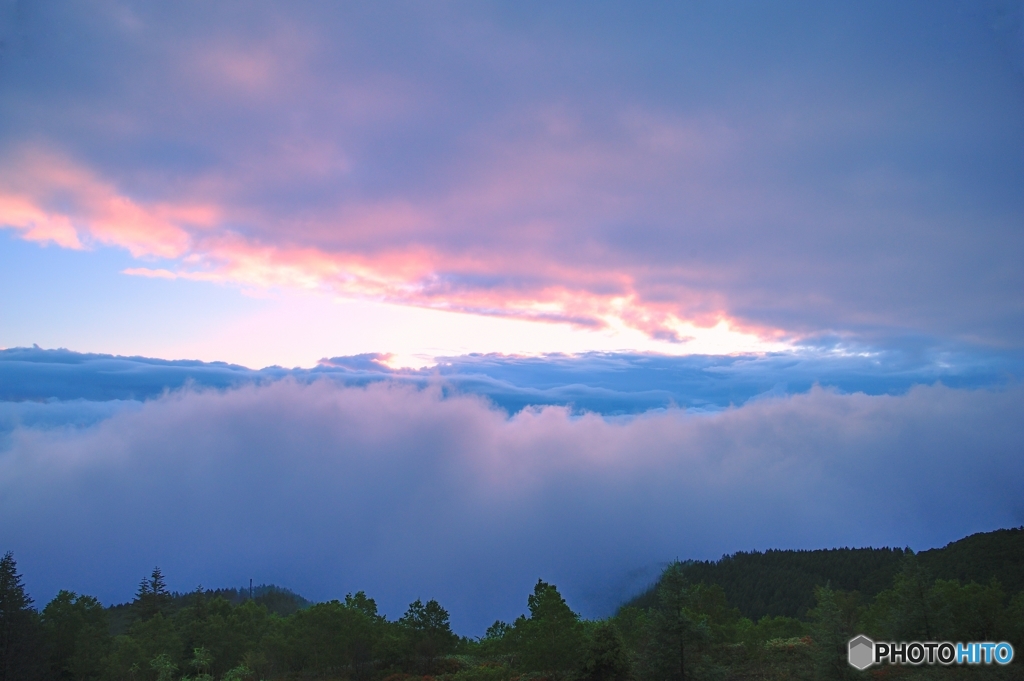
x=51, y=199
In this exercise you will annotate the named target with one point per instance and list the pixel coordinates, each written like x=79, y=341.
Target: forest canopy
x=777, y=614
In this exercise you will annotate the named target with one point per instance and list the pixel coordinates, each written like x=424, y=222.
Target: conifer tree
x=551, y=640
x=914, y=618
x=152, y=596
x=18, y=625
x=678, y=624
x=831, y=634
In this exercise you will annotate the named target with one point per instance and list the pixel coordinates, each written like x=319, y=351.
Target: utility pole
x=250, y=588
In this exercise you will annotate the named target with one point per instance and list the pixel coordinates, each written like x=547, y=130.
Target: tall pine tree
x=152, y=596
x=678, y=625
x=19, y=626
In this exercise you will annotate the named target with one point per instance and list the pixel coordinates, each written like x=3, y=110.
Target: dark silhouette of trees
x=831, y=631
x=19, y=626
x=678, y=625
x=605, y=658
x=152, y=596
x=551, y=639
x=77, y=634
x=428, y=630
x=692, y=629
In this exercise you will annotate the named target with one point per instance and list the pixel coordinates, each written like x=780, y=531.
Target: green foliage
x=201, y=660
x=633, y=625
x=497, y=631
x=275, y=599
x=483, y=672
x=551, y=639
x=77, y=634
x=164, y=667
x=496, y=642
x=912, y=614
x=158, y=636
x=214, y=635
x=692, y=628
x=782, y=583
x=605, y=658
x=679, y=626
x=918, y=609
x=19, y=626
x=13, y=598
x=980, y=557
x=785, y=659
x=970, y=612
x=331, y=637
x=125, y=658
x=363, y=604
x=427, y=627
x=239, y=673
x=152, y=597
x=832, y=628
x=771, y=628
x=1014, y=619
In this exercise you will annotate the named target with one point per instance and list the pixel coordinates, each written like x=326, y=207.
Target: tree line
x=683, y=628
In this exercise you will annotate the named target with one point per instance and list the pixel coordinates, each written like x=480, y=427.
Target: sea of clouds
x=419, y=491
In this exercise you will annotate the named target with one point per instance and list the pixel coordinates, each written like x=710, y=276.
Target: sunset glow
x=437, y=299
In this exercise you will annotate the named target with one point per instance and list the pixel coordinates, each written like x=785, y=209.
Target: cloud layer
x=791, y=169
x=407, y=493
x=605, y=383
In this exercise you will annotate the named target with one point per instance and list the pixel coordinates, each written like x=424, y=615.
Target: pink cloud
x=50, y=197
x=465, y=159
x=538, y=216
x=418, y=254
x=21, y=213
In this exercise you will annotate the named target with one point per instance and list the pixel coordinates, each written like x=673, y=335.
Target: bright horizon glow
x=297, y=329
x=173, y=318
x=552, y=318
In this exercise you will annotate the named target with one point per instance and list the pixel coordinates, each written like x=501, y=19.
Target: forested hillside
x=277, y=600
x=979, y=558
x=781, y=583
x=772, y=615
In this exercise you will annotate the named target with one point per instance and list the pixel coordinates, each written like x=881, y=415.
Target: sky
x=436, y=299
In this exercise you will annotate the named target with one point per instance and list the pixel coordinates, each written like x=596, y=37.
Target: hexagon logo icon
x=861, y=652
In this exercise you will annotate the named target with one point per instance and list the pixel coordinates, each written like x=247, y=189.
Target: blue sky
x=561, y=291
